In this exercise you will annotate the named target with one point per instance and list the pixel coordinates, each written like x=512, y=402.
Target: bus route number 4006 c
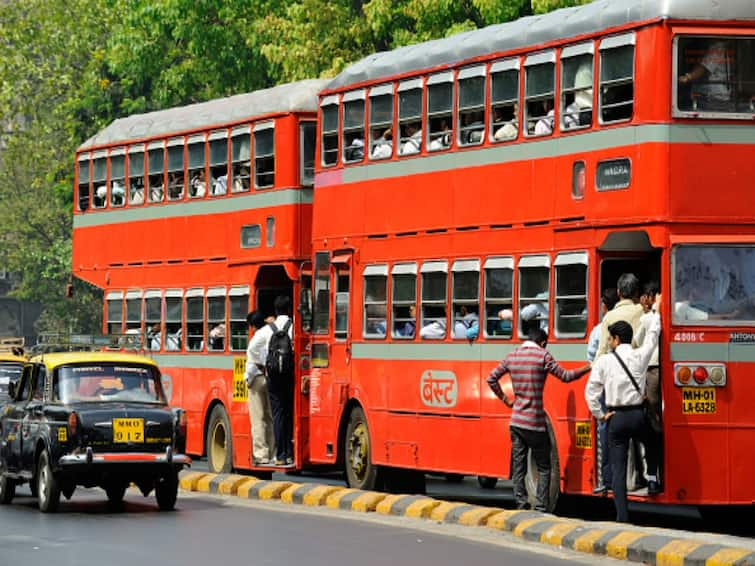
x=698, y=400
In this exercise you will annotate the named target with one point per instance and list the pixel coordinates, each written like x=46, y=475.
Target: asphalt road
x=207, y=530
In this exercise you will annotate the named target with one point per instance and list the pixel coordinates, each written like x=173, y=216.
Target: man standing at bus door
x=280, y=384
x=627, y=309
x=260, y=415
x=528, y=366
x=624, y=400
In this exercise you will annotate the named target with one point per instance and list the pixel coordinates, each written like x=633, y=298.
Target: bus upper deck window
x=83, y=187
x=135, y=176
x=440, y=103
x=240, y=159
x=264, y=155
x=156, y=172
x=330, y=120
x=176, y=169
x=715, y=75
x=197, y=164
x=99, y=182
x=539, y=97
x=504, y=100
x=307, y=144
x=617, y=78
x=118, y=178
x=576, y=86
x=381, y=122
x=218, y=182
x=471, y=119
x=410, y=117
x=353, y=127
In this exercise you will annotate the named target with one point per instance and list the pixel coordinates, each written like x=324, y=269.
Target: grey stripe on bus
x=577, y=144
x=196, y=361
x=712, y=352
x=195, y=208
x=456, y=352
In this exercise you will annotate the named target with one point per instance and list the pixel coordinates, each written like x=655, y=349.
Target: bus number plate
x=698, y=400
x=128, y=430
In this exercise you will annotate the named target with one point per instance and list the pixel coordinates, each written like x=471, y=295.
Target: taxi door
x=32, y=416
x=13, y=421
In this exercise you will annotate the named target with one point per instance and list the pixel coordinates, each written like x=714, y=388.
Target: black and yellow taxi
x=11, y=364
x=90, y=419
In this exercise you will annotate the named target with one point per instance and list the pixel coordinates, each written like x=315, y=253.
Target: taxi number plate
x=128, y=430
x=698, y=400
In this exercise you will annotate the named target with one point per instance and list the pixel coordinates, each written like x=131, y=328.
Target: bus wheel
x=531, y=481
x=487, y=482
x=361, y=473
x=219, y=444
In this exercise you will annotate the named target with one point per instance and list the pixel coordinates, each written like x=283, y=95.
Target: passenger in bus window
x=434, y=330
x=579, y=111
x=409, y=327
x=529, y=366
x=241, y=179
x=156, y=190
x=534, y=315
x=173, y=341
x=712, y=78
x=220, y=185
x=154, y=337
x=413, y=136
x=117, y=193
x=100, y=196
x=441, y=139
x=198, y=185
x=136, y=191
x=383, y=147
x=507, y=116
x=465, y=320
x=355, y=150
x=544, y=126
x=217, y=337
x=627, y=309
x=175, y=185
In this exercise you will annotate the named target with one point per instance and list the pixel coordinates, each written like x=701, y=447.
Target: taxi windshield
x=716, y=75
x=714, y=284
x=9, y=371
x=107, y=382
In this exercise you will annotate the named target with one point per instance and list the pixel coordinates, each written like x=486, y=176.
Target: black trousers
x=522, y=441
x=282, y=407
x=623, y=426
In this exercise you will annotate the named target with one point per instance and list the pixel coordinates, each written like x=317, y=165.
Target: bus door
x=341, y=300
x=625, y=252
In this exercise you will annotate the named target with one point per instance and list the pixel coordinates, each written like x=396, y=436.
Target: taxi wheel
x=487, y=482
x=47, y=486
x=361, y=473
x=219, y=443
x=7, y=489
x=166, y=491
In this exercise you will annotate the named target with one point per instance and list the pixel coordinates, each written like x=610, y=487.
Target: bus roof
x=535, y=30
x=299, y=96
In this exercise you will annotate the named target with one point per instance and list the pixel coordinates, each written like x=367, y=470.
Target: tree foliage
x=68, y=68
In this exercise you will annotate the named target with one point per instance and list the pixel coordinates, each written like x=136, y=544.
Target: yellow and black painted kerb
x=623, y=544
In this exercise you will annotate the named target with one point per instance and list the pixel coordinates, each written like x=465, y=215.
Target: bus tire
x=219, y=444
x=361, y=472
x=530, y=479
x=487, y=482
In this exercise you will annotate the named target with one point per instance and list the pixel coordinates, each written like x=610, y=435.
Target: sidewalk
x=625, y=542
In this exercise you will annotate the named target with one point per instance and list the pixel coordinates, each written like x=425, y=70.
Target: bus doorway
x=637, y=257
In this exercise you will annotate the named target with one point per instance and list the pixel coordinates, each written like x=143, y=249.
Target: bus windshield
x=714, y=284
x=9, y=371
x=107, y=382
x=716, y=75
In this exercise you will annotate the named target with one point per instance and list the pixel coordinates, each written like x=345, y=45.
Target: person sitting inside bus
x=100, y=196
x=198, y=185
x=465, y=322
x=241, y=179
x=173, y=341
x=408, y=328
x=413, y=139
x=154, y=337
x=434, y=330
x=175, y=186
x=220, y=185
x=534, y=314
x=117, y=193
x=156, y=192
x=712, y=78
x=136, y=193
x=441, y=139
x=579, y=112
x=473, y=126
x=383, y=145
x=544, y=126
x=217, y=337
x=510, y=129
x=355, y=150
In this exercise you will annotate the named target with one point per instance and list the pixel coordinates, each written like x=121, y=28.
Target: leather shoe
x=654, y=488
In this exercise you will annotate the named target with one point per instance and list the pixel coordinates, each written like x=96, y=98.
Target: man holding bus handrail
x=624, y=400
x=528, y=366
x=260, y=413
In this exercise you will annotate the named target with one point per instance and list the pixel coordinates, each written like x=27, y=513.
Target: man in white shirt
x=435, y=330
x=281, y=394
x=260, y=414
x=624, y=402
x=412, y=140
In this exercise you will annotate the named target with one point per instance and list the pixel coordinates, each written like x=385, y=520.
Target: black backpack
x=280, y=353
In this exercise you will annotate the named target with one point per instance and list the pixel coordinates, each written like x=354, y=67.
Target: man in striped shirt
x=528, y=366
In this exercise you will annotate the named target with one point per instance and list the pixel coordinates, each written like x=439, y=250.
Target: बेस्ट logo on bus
x=438, y=388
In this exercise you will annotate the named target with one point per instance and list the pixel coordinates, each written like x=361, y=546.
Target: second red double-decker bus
x=527, y=166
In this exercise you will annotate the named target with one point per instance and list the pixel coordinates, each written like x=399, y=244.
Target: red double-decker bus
x=528, y=165
x=187, y=218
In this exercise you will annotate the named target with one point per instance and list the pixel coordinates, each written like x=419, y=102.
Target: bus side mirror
x=305, y=309
x=12, y=389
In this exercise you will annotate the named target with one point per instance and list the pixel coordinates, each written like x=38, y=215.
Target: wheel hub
x=359, y=450
x=218, y=444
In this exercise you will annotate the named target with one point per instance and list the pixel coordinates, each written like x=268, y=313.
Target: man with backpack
x=279, y=370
